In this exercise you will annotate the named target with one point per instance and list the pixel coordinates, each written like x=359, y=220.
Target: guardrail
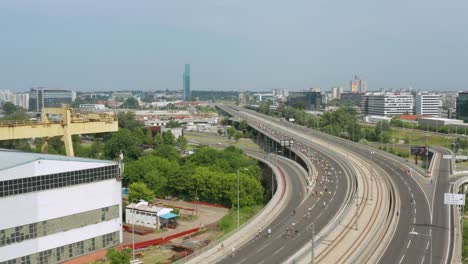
x=14, y=123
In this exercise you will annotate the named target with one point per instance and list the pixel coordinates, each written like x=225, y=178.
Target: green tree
x=169, y=138
x=166, y=151
x=139, y=191
x=158, y=139
x=238, y=135
x=231, y=132
x=131, y=103
x=173, y=124
x=128, y=120
x=382, y=126
x=149, y=137
x=9, y=108
x=220, y=131
x=182, y=142
x=125, y=141
x=118, y=257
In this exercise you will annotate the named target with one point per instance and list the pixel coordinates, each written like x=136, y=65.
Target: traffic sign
x=454, y=199
x=458, y=157
x=447, y=156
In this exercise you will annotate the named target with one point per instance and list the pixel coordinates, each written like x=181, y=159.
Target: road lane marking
x=401, y=259
x=422, y=260
x=427, y=246
x=409, y=243
x=278, y=250
x=260, y=249
x=414, y=220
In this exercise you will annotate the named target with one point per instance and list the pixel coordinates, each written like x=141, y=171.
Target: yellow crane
x=59, y=122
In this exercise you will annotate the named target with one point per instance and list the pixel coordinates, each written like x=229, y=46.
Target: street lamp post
x=312, y=243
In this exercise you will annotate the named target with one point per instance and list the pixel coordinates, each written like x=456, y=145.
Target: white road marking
x=260, y=249
x=415, y=210
x=414, y=220
x=422, y=260
x=278, y=250
x=409, y=243
x=401, y=259
x=427, y=246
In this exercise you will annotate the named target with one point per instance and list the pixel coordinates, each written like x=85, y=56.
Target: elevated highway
x=414, y=214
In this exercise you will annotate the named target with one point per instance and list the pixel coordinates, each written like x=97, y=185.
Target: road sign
x=418, y=151
x=458, y=157
x=454, y=199
x=291, y=119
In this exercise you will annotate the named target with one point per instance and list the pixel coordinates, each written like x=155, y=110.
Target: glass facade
x=69, y=251
x=58, y=180
x=462, y=107
x=186, y=81
x=52, y=226
x=43, y=97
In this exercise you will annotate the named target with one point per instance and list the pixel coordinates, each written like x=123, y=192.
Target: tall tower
x=357, y=85
x=186, y=82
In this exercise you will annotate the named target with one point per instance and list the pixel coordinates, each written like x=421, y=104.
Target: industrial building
x=428, y=104
x=145, y=214
x=388, y=104
x=55, y=208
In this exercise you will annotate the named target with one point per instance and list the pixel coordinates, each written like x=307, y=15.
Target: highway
x=279, y=246
x=414, y=214
x=442, y=230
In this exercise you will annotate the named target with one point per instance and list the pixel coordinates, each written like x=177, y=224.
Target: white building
x=263, y=97
x=21, y=100
x=428, y=104
x=336, y=92
x=375, y=119
x=438, y=122
x=92, y=107
x=147, y=215
x=55, y=208
x=389, y=104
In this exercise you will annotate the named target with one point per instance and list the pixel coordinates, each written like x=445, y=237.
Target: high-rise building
x=56, y=208
x=462, y=106
x=428, y=104
x=186, y=82
x=388, y=104
x=336, y=92
x=308, y=100
x=357, y=85
x=21, y=100
x=40, y=97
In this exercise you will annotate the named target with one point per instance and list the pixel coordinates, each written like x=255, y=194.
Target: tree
x=149, y=137
x=238, y=135
x=123, y=140
x=172, y=124
x=220, y=131
x=182, y=142
x=166, y=151
x=169, y=138
x=9, y=108
x=139, y=191
x=119, y=257
x=131, y=103
x=382, y=126
x=128, y=120
x=158, y=139
x=243, y=125
x=231, y=132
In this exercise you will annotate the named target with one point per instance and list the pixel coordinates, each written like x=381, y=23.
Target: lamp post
x=312, y=243
x=427, y=235
x=238, y=197
x=133, y=232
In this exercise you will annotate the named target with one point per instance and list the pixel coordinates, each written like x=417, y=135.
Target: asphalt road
x=443, y=216
x=280, y=246
x=414, y=214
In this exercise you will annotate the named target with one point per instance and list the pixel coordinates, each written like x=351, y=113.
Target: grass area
x=465, y=241
x=214, y=140
x=418, y=138
x=229, y=222
x=155, y=255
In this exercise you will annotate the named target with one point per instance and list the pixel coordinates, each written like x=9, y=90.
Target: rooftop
x=14, y=158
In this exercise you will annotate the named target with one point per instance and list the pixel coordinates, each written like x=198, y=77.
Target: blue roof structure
x=168, y=216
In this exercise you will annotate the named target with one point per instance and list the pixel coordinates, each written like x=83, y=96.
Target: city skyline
x=233, y=45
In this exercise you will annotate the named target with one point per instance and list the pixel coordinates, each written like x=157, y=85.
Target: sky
x=232, y=44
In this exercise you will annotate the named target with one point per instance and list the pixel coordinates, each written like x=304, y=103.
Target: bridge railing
x=14, y=123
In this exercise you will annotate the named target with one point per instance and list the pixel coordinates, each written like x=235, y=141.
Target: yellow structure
x=59, y=122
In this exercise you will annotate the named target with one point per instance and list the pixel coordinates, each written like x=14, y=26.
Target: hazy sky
x=233, y=44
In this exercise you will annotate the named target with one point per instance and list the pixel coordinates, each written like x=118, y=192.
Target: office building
x=462, y=106
x=388, y=104
x=280, y=92
x=428, y=104
x=311, y=101
x=40, y=97
x=358, y=86
x=21, y=100
x=351, y=98
x=56, y=208
x=186, y=82
x=336, y=92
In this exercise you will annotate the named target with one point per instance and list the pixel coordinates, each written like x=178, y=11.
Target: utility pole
x=238, y=199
